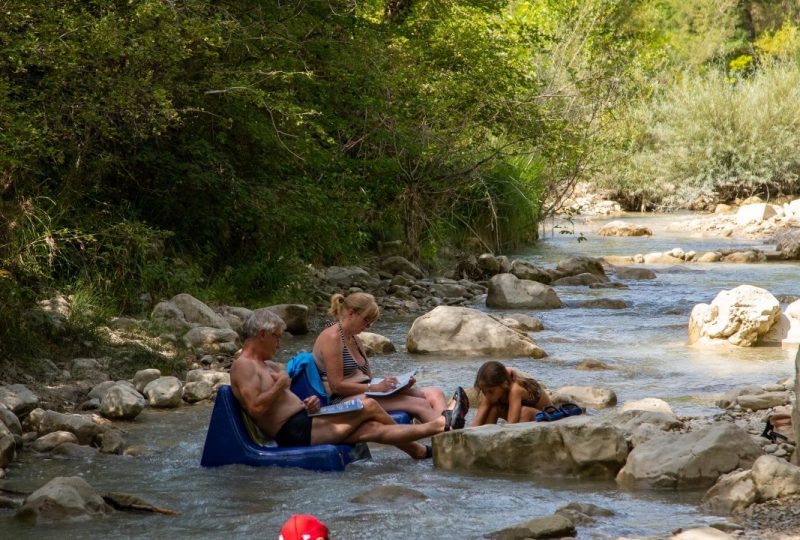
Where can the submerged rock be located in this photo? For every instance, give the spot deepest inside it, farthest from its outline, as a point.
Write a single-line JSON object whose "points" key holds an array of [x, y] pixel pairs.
{"points": [[63, 498]]}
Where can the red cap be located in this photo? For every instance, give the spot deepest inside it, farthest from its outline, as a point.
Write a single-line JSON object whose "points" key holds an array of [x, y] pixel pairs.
{"points": [[303, 527]]}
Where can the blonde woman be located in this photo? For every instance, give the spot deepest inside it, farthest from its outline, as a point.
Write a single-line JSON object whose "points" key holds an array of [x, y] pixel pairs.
{"points": [[345, 369]]}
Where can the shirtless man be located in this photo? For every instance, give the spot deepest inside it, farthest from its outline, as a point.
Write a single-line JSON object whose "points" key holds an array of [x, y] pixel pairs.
{"points": [[263, 391]]}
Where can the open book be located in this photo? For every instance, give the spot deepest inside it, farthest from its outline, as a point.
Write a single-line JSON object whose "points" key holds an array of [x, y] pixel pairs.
{"points": [[403, 381], [338, 408]]}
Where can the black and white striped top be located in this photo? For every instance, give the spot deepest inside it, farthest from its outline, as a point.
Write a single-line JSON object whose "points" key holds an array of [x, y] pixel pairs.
{"points": [[349, 364]]}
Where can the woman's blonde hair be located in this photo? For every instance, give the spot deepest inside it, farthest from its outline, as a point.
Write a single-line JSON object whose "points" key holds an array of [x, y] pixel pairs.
{"points": [[362, 303]]}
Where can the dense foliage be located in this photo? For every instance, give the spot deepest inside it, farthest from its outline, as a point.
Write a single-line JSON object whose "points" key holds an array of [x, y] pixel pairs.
{"points": [[717, 115], [149, 147]]}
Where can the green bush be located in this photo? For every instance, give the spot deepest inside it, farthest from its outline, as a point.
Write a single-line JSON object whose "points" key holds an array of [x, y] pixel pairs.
{"points": [[707, 135]]}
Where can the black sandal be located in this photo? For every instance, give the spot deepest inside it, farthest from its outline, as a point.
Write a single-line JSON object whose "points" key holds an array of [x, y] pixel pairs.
{"points": [[455, 418]]}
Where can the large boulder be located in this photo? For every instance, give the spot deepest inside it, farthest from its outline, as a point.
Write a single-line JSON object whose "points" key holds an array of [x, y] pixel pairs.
{"points": [[508, 291], [465, 331], [18, 399], [689, 461], [48, 442], [622, 228], [164, 392], [63, 498], [44, 422], [739, 316], [579, 446], [197, 313], [581, 264], [294, 315], [122, 402], [531, 272]]}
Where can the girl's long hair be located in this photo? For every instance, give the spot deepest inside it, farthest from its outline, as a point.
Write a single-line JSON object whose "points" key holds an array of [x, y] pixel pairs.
{"points": [[494, 373]]}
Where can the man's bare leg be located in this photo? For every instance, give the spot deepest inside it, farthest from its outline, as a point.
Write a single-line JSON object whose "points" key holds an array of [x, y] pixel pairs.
{"points": [[348, 428]]}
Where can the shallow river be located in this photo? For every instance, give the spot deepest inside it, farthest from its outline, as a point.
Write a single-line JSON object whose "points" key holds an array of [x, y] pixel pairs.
{"points": [[646, 341]]}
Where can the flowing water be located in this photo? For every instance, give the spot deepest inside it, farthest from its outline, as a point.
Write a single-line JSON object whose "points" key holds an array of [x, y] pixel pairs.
{"points": [[646, 342]]}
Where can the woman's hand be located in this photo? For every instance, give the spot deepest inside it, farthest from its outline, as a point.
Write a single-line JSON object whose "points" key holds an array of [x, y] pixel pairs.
{"points": [[311, 404], [389, 383]]}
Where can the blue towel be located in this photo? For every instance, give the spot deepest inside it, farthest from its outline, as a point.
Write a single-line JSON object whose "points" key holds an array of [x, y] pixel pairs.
{"points": [[303, 363]]}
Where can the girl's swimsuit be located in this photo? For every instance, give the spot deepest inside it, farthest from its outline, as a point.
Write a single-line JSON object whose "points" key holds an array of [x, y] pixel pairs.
{"points": [[349, 365], [536, 395]]}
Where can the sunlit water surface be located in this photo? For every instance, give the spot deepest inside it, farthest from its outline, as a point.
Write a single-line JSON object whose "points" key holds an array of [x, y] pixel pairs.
{"points": [[646, 342]]}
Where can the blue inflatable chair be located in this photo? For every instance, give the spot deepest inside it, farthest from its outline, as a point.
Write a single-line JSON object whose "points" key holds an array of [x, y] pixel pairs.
{"points": [[306, 381], [232, 438]]}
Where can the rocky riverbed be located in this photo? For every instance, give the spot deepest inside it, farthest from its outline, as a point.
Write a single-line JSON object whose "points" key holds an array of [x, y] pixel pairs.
{"points": [[524, 294]]}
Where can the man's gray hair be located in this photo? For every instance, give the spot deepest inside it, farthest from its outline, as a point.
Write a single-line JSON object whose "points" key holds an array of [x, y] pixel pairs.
{"points": [[262, 319]]}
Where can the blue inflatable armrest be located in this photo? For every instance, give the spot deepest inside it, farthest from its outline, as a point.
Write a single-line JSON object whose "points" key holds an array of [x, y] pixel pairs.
{"points": [[306, 382], [228, 442]]}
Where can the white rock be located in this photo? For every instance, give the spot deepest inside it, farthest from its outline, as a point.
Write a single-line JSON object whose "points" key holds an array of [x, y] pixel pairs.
{"points": [[754, 213], [458, 330], [376, 344], [648, 404], [739, 316], [586, 396], [144, 376], [122, 403], [164, 392]]}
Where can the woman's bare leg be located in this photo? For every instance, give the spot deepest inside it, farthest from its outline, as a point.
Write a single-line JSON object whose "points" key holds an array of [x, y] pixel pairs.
{"points": [[417, 407], [435, 397]]}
